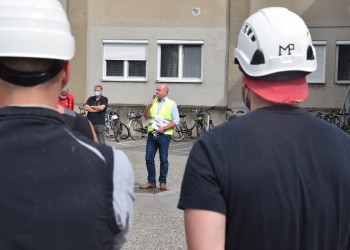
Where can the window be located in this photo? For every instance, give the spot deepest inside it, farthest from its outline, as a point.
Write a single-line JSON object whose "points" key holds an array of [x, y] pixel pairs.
{"points": [[319, 75], [125, 60], [343, 62], [180, 61]]}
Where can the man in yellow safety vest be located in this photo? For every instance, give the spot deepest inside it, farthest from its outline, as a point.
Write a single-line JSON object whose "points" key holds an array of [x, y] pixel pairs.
{"points": [[163, 116]]}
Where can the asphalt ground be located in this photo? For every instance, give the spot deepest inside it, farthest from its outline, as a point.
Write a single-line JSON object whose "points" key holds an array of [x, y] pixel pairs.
{"points": [[157, 224]]}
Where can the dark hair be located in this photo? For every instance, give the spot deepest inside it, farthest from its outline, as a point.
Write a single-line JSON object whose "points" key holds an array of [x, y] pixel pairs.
{"points": [[98, 86], [29, 72]]}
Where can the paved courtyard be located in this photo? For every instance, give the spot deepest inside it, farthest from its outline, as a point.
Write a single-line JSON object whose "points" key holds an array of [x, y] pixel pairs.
{"points": [[158, 224]]}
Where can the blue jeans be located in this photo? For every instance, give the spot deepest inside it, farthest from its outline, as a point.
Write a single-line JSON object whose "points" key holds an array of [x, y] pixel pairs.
{"points": [[162, 143]]}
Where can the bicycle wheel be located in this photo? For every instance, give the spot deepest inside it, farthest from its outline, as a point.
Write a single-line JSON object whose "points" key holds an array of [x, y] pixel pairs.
{"points": [[211, 125], [136, 129], [201, 128], [124, 131], [116, 132], [178, 134], [108, 131]]}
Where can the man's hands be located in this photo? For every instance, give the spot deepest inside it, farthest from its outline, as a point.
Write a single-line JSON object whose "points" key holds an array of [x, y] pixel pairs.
{"points": [[89, 108], [161, 129], [150, 103]]}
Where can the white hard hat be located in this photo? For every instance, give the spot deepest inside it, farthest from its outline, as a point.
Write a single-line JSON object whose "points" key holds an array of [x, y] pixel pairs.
{"points": [[35, 29], [275, 40]]}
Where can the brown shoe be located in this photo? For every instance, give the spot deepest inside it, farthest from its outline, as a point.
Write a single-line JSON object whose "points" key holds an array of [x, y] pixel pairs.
{"points": [[162, 187], [148, 186]]}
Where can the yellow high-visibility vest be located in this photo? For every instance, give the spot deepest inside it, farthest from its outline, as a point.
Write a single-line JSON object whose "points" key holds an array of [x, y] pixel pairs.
{"points": [[165, 113]]}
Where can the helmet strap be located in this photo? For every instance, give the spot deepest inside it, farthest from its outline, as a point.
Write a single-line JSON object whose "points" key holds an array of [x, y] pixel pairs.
{"points": [[28, 79]]}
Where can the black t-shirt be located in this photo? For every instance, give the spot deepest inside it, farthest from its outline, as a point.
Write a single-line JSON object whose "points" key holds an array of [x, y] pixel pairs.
{"points": [[78, 123], [281, 177], [56, 185], [97, 118]]}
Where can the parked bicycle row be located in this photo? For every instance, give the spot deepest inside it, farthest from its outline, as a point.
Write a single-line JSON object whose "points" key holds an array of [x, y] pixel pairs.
{"points": [[193, 123], [202, 121], [338, 119]]}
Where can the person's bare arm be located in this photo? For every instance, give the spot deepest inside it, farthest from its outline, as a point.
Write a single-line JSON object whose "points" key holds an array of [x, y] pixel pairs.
{"points": [[93, 132], [98, 108], [146, 112], [88, 108], [168, 126], [205, 230]]}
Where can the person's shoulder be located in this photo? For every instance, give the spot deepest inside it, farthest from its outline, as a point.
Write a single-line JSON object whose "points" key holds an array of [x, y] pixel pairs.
{"points": [[169, 99], [69, 112], [229, 131], [90, 98]]}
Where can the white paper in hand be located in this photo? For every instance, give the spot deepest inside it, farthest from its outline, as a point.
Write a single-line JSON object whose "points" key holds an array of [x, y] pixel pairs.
{"points": [[159, 122]]}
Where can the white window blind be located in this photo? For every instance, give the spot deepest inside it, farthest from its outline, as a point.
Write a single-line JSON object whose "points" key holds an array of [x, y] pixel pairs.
{"points": [[319, 75], [122, 51]]}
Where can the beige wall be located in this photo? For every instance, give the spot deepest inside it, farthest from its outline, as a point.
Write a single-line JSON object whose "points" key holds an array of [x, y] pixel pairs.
{"points": [[218, 26], [156, 13], [156, 20], [77, 14]]}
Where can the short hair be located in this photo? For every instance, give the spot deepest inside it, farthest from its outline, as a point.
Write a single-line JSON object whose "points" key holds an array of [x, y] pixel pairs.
{"points": [[98, 86]]}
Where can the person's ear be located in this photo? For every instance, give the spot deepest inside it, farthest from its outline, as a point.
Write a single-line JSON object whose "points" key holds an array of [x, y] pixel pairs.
{"points": [[66, 73]]}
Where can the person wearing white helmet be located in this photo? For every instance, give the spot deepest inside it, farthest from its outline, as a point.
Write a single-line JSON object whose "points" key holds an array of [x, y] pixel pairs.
{"points": [[59, 190], [277, 177]]}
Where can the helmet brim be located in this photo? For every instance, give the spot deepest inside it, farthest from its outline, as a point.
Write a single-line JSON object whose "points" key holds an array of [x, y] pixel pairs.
{"points": [[286, 92]]}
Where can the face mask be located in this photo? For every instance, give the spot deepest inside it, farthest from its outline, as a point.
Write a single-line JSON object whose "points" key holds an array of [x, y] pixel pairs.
{"points": [[246, 109], [97, 93], [63, 97]]}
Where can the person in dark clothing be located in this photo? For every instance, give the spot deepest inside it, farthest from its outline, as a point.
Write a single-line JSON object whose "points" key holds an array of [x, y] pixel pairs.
{"points": [[277, 177], [96, 106], [59, 189], [78, 123]]}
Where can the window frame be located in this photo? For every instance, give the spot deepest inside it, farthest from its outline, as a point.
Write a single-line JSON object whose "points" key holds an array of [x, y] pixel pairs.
{"points": [[125, 77], [180, 77], [340, 82], [323, 68]]}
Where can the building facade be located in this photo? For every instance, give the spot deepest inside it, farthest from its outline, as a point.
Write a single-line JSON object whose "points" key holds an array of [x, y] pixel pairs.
{"points": [[130, 46]]}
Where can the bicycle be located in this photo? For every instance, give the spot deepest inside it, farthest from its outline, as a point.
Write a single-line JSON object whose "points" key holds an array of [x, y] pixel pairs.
{"points": [[182, 130], [82, 111], [340, 120], [120, 130], [108, 123], [231, 114], [136, 128], [209, 123], [114, 127]]}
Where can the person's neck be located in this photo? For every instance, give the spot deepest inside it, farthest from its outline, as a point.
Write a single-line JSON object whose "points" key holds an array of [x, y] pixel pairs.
{"points": [[256, 102], [161, 99], [40, 95]]}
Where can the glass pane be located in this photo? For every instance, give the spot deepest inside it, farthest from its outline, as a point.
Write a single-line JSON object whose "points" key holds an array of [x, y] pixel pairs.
{"points": [[169, 61], [318, 76], [114, 68], [137, 68], [192, 60], [343, 62]]}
